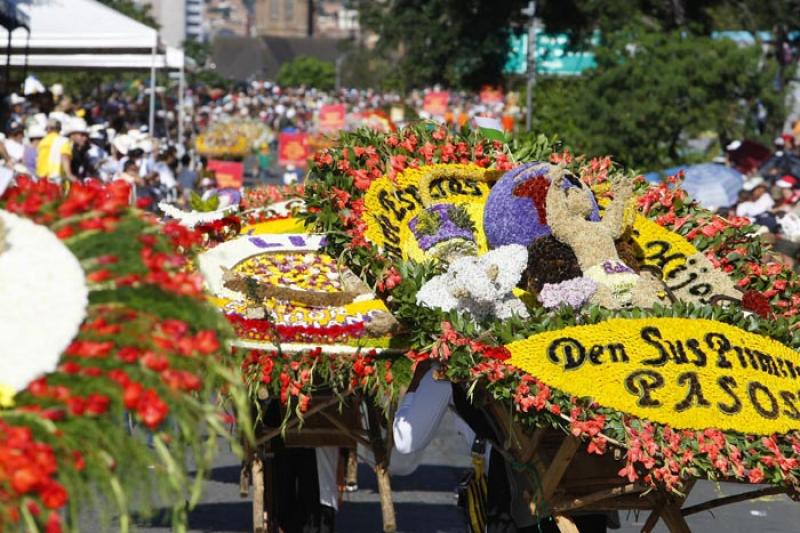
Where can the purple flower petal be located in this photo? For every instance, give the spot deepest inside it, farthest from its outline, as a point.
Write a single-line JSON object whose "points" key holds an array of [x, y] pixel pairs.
{"points": [[261, 243]]}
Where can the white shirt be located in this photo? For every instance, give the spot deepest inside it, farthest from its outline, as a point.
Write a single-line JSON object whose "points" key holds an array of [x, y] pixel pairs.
{"points": [[327, 463], [420, 414], [753, 209], [15, 150]]}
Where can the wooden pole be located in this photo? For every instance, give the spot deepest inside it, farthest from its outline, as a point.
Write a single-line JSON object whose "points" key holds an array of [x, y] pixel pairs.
{"points": [[565, 524], [381, 452], [598, 496], [351, 473], [295, 421], [672, 517], [662, 502], [257, 472], [552, 477], [727, 500]]}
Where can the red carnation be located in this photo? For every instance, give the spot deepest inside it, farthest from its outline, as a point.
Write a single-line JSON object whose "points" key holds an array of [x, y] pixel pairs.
{"points": [[151, 409], [757, 303], [23, 480], [131, 394], [53, 496], [96, 404]]}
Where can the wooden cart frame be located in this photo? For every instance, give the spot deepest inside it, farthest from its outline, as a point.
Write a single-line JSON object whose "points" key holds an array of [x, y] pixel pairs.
{"points": [[569, 479], [564, 477], [258, 456]]}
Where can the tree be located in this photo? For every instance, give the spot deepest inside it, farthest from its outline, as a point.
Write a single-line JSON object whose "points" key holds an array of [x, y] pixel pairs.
{"points": [[653, 92], [580, 17], [456, 43], [201, 54], [136, 11], [308, 72]]}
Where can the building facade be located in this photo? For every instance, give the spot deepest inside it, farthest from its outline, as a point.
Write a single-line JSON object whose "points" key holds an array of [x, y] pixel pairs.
{"points": [[227, 18], [195, 28], [284, 18]]}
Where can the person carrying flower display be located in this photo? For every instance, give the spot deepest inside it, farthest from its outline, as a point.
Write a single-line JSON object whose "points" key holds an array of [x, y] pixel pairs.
{"points": [[507, 505]]}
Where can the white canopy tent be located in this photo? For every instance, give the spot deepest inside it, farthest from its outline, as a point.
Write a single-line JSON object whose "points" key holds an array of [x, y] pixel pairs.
{"points": [[82, 25], [85, 34]]}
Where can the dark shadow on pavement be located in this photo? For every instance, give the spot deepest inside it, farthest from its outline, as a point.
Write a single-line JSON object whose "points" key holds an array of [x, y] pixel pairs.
{"points": [[437, 478], [411, 518]]}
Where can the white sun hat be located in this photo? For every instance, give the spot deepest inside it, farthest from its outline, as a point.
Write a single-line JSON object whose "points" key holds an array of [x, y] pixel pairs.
{"points": [[76, 125], [35, 131], [122, 143]]}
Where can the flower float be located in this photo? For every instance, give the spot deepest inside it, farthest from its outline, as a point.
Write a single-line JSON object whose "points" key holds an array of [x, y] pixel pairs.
{"points": [[278, 288], [688, 377], [136, 341], [231, 138]]}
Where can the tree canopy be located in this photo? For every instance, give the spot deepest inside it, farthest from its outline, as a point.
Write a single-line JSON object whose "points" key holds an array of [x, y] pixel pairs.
{"points": [[653, 92], [456, 43], [309, 72]]}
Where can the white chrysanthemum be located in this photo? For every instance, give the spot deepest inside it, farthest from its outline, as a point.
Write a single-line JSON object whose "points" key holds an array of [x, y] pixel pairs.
{"points": [[480, 287], [190, 219], [43, 299]]}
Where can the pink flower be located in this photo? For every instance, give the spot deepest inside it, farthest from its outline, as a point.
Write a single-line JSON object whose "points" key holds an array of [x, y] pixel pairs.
{"points": [[755, 475]]}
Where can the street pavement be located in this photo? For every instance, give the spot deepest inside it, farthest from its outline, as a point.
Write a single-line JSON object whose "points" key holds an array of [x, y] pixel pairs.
{"points": [[425, 502]]}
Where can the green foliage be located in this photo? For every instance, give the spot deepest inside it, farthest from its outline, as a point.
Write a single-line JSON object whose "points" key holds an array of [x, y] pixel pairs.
{"points": [[204, 206], [460, 217], [308, 72], [428, 223], [457, 43], [579, 17], [653, 92]]}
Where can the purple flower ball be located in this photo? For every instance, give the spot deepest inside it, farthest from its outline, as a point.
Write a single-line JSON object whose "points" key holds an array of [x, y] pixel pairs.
{"points": [[513, 219]]}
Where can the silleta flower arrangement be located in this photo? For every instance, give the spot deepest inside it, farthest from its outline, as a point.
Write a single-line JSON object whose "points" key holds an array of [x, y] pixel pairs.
{"points": [[149, 350], [647, 301]]}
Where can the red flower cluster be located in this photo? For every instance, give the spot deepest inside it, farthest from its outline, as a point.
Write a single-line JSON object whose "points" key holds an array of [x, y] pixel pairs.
{"points": [[27, 470], [121, 358], [346, 173], [264, 330], [219, 230], [290, 376], [266, 195]]}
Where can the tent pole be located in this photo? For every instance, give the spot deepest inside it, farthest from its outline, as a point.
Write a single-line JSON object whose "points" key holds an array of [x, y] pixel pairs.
{"points": [[181, 90], [8, 65], [27, 51], [152, 117]]}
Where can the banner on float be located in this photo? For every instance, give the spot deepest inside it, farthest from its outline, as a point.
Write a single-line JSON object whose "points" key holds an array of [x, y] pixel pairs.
{"points": [[436, 103], [688, 373], [332, 118], [293, 149], [491, 95], [229, 174]]}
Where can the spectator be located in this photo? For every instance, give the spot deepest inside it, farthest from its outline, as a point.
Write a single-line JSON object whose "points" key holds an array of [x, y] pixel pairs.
{"points": [[53, 132], [14, 144], [758, 207], [35, 135], [187, 177], [75, 160]]}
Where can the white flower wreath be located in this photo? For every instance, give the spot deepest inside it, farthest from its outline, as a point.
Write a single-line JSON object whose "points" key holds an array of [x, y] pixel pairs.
{"points": [[43, 299]]}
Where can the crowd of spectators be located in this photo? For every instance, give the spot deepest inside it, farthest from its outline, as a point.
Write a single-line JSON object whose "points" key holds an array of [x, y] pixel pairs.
{"points": [[106, 136], [770, 193]]}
